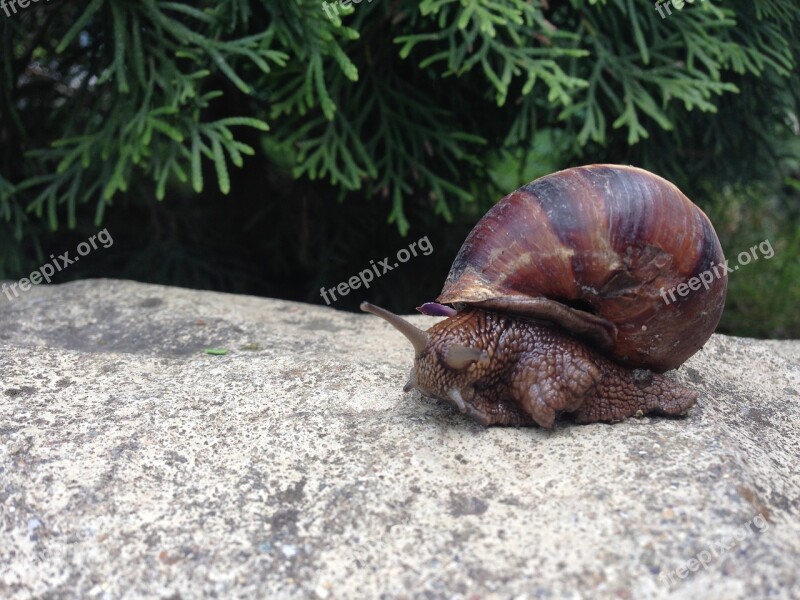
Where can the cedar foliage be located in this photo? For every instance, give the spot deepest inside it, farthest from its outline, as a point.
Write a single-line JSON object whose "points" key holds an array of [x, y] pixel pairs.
{"points": [[417, 107]]}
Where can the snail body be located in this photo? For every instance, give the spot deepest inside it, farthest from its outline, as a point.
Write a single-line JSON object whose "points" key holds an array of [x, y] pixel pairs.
{"points": [[557, 302]]}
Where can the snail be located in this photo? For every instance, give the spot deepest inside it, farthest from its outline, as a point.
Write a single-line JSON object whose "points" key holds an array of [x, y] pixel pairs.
{"points": [[556, 303]]}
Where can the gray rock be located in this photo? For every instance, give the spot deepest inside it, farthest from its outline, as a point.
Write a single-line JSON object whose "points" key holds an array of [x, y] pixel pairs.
{"points": [[134, 463]]}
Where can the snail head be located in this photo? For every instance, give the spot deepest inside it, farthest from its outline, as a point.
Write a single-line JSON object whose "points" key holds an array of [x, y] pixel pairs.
{"points": [[444, 366]]}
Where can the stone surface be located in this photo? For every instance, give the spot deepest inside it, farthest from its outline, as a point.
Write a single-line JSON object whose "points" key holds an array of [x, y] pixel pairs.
{"points": [[134, 463]]}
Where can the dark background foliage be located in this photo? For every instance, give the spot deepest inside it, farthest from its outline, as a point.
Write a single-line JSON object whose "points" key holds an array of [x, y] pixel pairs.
{"points": [[259, 146]]}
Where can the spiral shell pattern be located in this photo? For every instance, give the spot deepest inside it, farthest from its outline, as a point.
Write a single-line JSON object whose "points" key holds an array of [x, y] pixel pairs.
{"points": [[607, 242]]}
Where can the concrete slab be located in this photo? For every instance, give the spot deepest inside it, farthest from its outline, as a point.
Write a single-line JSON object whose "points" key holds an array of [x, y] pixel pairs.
{"points": [[133, 463]]}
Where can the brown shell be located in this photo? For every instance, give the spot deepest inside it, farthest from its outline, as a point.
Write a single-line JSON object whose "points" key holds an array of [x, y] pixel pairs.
{"points": [[597, 249]]}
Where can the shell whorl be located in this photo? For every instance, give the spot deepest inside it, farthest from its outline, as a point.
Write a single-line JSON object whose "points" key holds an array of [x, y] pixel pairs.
{"points": [[604, 241]]}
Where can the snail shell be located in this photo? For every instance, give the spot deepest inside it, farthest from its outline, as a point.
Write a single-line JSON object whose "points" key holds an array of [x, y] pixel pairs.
{"points": [[596, 249]]}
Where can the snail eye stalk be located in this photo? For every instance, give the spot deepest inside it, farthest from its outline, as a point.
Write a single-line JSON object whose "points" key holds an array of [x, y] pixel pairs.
{"points": [[417, 337]]}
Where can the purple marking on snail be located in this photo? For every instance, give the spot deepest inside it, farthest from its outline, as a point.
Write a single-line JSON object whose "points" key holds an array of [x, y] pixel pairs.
{"points": [[433, 309], [556, 303]]}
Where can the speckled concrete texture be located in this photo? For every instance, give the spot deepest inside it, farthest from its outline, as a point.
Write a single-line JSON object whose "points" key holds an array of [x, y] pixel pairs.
{"points": [[134, 464]]}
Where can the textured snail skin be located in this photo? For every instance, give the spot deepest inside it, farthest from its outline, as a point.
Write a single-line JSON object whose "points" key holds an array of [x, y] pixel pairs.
{"points": [[531, 371]]}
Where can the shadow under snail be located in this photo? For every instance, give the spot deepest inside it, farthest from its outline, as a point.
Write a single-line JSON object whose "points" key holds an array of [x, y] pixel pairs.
{"points": [[556, 302]]}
